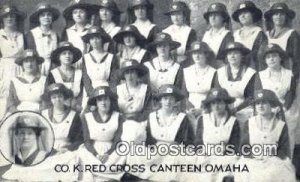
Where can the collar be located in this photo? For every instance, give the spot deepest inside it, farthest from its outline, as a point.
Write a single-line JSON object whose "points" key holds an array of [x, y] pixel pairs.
{"points": [[96, 60], [23, 80], [4, 34], [242, 70], [98, 118], [224, 119], [67, 112], [270, 124], [41, 34], [109, 28], [32, 150], [86, 27], [221, 31]]}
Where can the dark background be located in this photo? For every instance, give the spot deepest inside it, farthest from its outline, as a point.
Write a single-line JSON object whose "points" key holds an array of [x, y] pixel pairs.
{"points": [[198, 7]]}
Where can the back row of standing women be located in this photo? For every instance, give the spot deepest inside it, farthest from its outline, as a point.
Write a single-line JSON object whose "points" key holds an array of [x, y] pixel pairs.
{"points": [[139, 58]]}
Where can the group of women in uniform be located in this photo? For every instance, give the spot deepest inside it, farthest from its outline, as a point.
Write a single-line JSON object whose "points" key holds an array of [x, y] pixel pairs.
{"points": [[100, 83]]}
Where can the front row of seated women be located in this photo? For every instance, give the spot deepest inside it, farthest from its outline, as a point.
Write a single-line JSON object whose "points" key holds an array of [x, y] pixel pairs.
{"points": [[103, 126]]}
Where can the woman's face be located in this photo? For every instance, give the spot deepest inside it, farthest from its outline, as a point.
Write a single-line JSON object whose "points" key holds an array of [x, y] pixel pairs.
{"points": [[177, 18], [66, 57], [131, 76], [105, 14], [234, 57], [218, 107], [273, 60], [30, 65], [79, 15], [103, 103], [10, 20], [279, 18], [163, 49], [96, 42], [45, 18], [246, 18], [216, 20], [263, 108], [26, 138], [199, 58], [140, 12], [57, 100], [167, 101], [129, 40]]}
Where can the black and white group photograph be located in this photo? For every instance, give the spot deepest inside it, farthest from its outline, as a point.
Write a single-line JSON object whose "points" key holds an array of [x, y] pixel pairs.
{"points": [[149, 90]]}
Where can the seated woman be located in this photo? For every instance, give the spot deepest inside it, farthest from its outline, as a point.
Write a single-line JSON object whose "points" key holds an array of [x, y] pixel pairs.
{"points": [[65, 73], [131, 43], [65, 122], [42, 36], [283, 83], [165, 126], [180, 30], [237, 78], [26, 90], [102, 128], [197, 89], [140, 14], [265, 128], [163, 69]]}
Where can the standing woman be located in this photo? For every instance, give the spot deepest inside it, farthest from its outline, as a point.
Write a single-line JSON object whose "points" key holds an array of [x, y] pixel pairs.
{"points": [[265, 128], [99, 66], [237, 77], [42, 37], [65, 73], [198, 78], [180, 30], [131, 42], [163, 69], [283, 83], [218, 35], [250, 34], [65, 122], [109, 14], [140, 14], [78, 17], [12, 44], [278, 23], [101, 129]]}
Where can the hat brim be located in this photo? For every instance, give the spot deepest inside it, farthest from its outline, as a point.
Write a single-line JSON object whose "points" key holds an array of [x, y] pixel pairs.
{"points": [[20, 15], [282, 54], [173, 11], [227, 100], [34, 18], [120, 36], [178, 96], [115, 10], [256, 13], [224, 14], [55, 54], [148, 6], [173, 44], [244, 51], [273, 103], [290, 13], [105, 38], [140, 68], [67, 94], [90, 9], [39, 60], [92, 100]]}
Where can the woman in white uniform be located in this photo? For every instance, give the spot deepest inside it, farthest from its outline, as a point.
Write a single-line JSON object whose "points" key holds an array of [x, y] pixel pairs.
{"points": [[180, 30], [12, 44], [65, 73], [42, 37], [78, 17], [26, 90], [198, 79], [131, 43], [279, 31], [109, 14], [102, 129], [265, 128], [163, 69], [282, 82], [140, 14], [250, 34], [218, 35], [99, 66], [237, 78], [65, 121]]}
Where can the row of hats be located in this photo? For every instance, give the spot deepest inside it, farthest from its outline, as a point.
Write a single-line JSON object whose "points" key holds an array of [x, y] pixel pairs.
{"points": [[175, 7]]}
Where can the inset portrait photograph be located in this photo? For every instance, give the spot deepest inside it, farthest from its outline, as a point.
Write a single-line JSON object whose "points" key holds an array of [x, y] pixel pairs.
{"points": [[26, 138]]}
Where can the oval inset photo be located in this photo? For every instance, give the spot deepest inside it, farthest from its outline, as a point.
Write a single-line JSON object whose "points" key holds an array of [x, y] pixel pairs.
{"points": [[26, 138]]}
